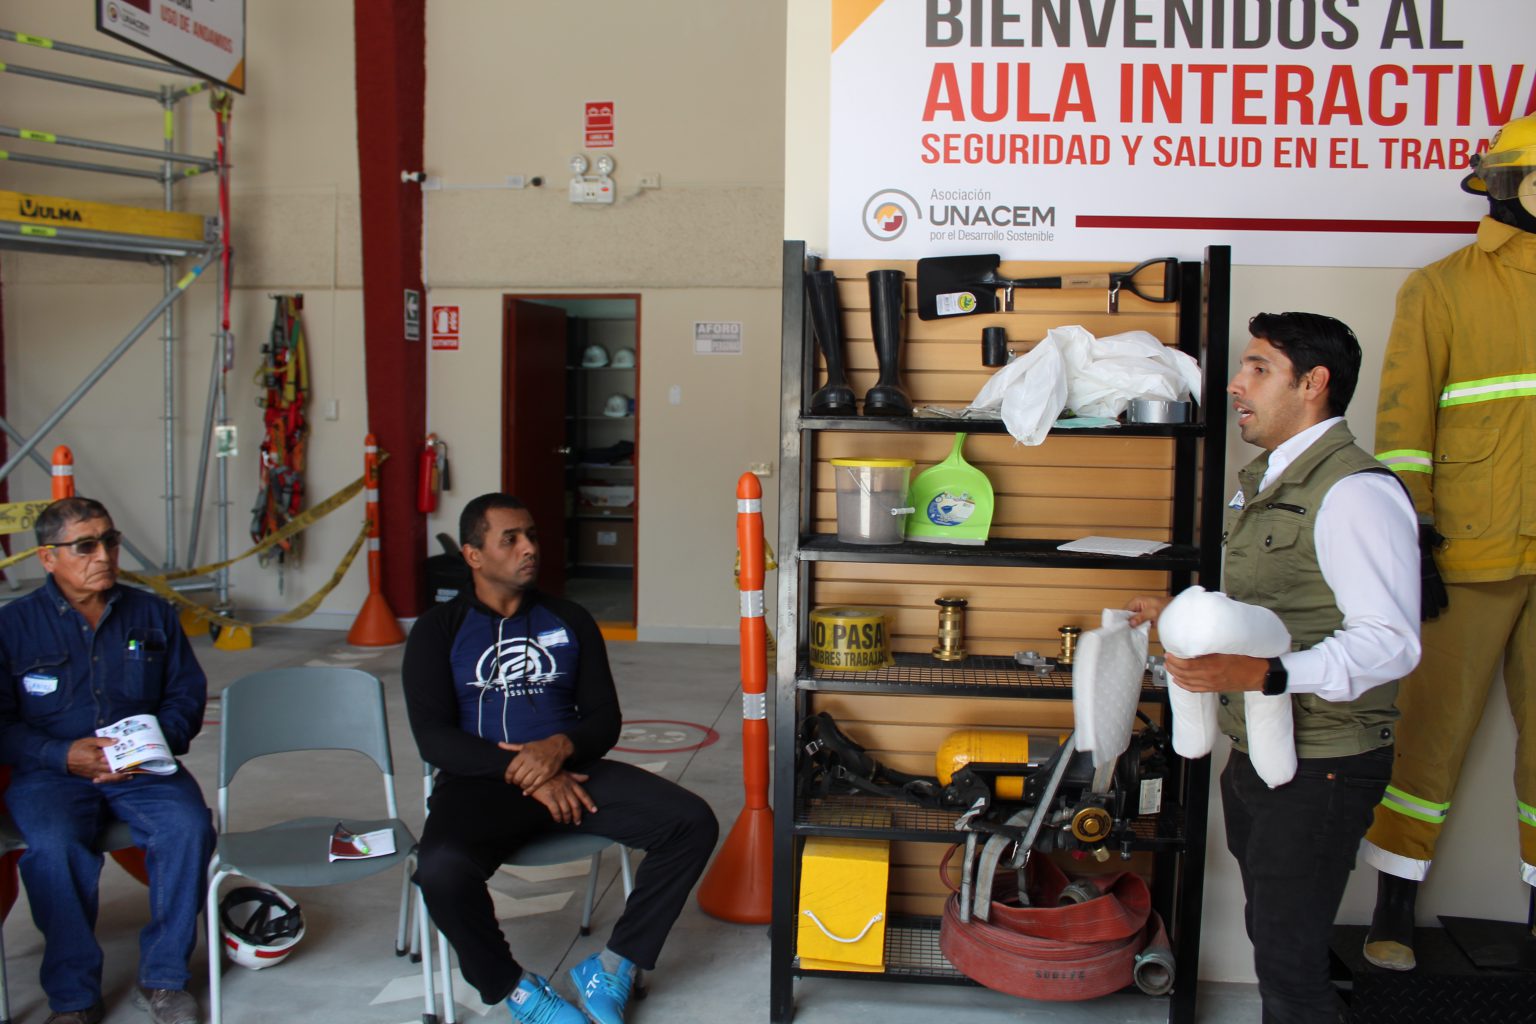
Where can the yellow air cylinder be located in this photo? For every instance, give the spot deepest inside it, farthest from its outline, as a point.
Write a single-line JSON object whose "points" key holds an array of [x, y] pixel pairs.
{"points": [[994, 746]]}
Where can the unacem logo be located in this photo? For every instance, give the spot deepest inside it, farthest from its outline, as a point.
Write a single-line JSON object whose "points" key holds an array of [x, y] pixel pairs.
{"points": [[41, 211], [887, 214]]}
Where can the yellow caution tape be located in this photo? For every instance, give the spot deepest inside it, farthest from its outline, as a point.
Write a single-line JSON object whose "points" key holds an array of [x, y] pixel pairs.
{"points": [[299, 522], [160, 583], [6, 563], [159, 586], [20, 515]]}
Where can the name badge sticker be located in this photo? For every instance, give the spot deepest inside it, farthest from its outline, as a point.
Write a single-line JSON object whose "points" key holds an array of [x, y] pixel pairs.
{"points": [[553, 638], [1237, 501], [39, 685]]}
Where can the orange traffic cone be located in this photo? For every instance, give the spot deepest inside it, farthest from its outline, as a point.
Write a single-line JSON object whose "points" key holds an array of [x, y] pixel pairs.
{"points": [[739, 884], [376, 625]]}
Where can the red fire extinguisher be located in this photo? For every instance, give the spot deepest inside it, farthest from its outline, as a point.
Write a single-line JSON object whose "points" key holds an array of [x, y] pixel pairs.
{"points": [[432, 473]]}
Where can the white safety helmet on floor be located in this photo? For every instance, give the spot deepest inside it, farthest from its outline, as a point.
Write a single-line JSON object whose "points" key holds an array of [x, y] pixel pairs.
{"points": [[616, 406], [261, 926], [624, 359], [594, 357]]}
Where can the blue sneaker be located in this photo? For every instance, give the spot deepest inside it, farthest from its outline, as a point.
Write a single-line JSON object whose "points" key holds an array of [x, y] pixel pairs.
{"points": [[603, 995], [534, 1002]]}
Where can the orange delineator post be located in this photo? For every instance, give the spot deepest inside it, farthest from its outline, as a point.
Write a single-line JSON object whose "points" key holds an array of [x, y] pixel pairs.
{"points": [[376, 625], [739, 885], [63, 472]]}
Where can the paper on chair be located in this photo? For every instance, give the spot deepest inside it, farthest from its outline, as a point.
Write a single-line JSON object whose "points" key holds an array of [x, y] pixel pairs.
{"points": [[1128, 546], [348, 845]]}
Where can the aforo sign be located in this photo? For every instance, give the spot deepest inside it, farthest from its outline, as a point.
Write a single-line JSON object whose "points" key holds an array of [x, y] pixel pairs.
{"points": [[598, 125], [445, 327]]}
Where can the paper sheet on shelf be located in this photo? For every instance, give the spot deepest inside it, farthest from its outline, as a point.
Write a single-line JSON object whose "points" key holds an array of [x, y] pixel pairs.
{"points": [[1127, 546]]}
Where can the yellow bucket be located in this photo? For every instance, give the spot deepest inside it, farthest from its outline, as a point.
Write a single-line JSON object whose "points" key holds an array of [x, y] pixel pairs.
{"points": [[849, 640]]}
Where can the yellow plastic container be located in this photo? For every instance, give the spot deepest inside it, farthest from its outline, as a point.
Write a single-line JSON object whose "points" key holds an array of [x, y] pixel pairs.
{"points": [[872, 500], [841, 923]]}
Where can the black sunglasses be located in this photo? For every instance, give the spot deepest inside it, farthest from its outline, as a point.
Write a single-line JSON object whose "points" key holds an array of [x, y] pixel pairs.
{"points": [[86, 546]]}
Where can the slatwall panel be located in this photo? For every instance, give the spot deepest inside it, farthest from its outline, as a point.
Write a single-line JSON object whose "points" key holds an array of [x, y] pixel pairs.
{"points": [[1068, 487]]}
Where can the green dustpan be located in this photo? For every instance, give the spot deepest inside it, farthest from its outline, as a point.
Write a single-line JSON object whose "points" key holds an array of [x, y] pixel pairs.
{"points": [[953, 501]]}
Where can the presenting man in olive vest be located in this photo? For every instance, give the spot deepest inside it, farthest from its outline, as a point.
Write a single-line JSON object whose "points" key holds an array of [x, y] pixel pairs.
{"points": [[1321, 535]]}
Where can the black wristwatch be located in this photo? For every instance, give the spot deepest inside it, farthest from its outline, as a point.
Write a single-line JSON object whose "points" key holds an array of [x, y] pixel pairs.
{"points": [[1276, 678]]}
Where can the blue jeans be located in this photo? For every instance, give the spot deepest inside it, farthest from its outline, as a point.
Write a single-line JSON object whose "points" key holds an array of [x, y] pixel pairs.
{"points": [[1295, 846], [60, 815]]}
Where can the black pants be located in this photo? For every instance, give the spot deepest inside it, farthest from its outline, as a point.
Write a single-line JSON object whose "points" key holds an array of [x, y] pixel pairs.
{"points": [[474, 824], [1295, 846]]}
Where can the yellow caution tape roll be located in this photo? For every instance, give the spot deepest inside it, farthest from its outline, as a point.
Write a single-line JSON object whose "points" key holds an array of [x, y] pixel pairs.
{"points": [[849, 640]]}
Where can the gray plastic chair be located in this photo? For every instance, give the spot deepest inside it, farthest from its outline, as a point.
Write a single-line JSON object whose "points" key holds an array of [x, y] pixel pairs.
{"points": [[115, 836], [298, 709], [539, 852]]}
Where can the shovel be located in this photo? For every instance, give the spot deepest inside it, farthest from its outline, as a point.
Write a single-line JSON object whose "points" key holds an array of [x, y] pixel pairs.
{"points": [[967, 285]]}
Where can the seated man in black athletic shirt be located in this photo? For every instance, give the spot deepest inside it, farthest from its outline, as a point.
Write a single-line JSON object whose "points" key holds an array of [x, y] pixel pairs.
{"points": [[510, 696]]}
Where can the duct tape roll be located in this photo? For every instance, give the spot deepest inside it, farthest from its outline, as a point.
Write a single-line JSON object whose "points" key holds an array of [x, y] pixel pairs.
{"points": [[848, 640]]}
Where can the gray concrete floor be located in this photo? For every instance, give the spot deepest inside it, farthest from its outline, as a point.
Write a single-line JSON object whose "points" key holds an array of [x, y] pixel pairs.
{"points": [[345, 970]]}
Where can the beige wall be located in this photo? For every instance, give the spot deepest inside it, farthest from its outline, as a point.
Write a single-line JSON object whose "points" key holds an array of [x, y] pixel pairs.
{"points": [[698, 91], [1477, 874]]}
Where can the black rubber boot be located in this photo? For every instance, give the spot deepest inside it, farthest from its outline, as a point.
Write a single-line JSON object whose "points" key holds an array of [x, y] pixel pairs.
{"points": [[835, 398], [1389, 943], [887, 306]]}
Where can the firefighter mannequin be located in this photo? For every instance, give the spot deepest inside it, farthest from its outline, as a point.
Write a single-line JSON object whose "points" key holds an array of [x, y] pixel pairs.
{"points": [[1457, 422]]}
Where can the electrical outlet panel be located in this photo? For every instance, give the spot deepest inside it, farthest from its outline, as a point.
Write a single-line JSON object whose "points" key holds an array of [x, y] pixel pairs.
{"points": [[650, 181], [590, 188]]}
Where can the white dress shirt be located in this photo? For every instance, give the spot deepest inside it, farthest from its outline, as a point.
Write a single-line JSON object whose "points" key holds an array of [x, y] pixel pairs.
{"points": [[1367, 537]]}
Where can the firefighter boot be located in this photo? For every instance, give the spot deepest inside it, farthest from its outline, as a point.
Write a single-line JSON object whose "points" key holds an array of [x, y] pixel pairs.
{"points": [[1389, 943], [887, 301], [835, 398]]}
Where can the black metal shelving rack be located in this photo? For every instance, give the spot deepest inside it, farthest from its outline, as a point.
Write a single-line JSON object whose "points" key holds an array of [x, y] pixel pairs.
{"points": [[1176, 837]]}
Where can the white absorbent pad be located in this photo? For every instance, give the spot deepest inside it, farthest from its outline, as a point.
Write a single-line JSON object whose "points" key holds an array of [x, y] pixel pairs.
{"points": [[1200, 622], [1106, 684]]}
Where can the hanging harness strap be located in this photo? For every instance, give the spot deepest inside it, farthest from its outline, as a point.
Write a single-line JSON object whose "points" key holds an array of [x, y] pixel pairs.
{"points": [[284, 380]]}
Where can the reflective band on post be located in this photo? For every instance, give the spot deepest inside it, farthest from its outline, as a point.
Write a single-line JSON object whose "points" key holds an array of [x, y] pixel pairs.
{"points": [[1489, 389], [65, 470], [1414, 807], [373, 543], [1526, 813], [38, 231], [751, 604], [40, 41], [371, 495], [32, 136], [1407, 460], [748, 505], [754, 706]]}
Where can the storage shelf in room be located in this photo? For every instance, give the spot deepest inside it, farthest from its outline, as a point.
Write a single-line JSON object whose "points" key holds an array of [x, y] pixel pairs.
{"points": [[1003, 551]]}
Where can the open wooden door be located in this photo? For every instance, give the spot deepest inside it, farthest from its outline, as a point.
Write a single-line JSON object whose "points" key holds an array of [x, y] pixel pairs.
{"points": [[533, 449]]}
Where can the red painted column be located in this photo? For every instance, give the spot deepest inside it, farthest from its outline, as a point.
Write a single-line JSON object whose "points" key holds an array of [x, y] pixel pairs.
{"points": [[390, 43]]}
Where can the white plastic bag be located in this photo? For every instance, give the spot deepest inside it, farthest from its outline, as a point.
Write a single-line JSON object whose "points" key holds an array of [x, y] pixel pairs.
{"points": [[1200, 622], [1104, 375], [1030, 391], [1106, 684]]}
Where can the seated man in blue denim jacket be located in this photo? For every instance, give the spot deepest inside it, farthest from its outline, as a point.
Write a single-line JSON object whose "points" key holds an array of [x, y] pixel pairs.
{"points": [[77, 654]]}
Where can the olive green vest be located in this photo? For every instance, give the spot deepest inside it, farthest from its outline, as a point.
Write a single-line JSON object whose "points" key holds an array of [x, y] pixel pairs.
{"points": [[1271, 560]]}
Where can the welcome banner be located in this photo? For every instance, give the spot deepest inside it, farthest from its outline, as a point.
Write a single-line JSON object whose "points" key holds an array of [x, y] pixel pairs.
{"points": [[1301, 132]]}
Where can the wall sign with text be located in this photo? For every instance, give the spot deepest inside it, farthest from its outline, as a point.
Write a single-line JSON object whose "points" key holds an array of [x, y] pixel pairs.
{"points": [[1304, 132]]}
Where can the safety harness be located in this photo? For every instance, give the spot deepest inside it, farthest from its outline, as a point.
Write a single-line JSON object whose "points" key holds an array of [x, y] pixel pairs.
{"points": [[284, 379]]}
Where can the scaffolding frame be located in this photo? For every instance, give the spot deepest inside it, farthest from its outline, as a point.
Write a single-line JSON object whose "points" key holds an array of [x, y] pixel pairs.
{"points": [[173, 168]]}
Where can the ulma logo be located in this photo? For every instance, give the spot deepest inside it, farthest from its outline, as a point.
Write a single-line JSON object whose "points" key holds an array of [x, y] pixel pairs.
{"points": [[41, 211], [887, 214]]}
